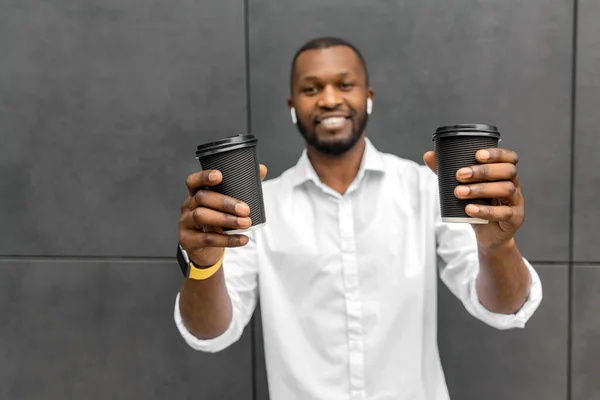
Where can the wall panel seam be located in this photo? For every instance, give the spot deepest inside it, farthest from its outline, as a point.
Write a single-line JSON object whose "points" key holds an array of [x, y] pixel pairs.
{"points": [[570, 302]]}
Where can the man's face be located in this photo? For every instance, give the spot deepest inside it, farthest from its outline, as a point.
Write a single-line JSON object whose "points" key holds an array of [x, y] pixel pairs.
{"points": [[329, 92]]}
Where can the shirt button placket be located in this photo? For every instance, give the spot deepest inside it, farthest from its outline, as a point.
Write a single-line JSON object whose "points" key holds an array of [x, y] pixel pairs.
{"points": [[353, 300]]}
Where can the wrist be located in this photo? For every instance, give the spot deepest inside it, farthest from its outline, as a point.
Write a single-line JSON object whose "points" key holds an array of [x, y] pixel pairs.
{"points": [[207, 260], [497, 247], [193, 271], [499, 253]]}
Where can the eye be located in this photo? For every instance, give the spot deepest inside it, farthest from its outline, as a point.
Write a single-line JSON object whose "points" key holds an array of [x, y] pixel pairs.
{"points": [[309, 90], [346, 86]]}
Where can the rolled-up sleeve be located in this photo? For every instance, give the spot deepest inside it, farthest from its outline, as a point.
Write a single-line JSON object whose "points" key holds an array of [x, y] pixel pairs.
{"points": [[459, 267], [240, 270], [507, 321]]}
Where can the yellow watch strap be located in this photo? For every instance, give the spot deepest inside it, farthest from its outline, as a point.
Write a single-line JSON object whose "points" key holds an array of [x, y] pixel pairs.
{"points": [[205, 273]]}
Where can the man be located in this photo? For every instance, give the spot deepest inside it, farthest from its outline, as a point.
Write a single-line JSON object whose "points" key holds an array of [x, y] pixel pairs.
{"points": [[346, 266]]}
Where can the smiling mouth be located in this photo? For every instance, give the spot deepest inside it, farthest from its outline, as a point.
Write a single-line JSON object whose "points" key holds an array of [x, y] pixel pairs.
{"points": [[333, 122]]}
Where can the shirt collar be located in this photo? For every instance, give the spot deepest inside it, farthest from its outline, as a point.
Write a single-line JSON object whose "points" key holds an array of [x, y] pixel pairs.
{"points": [[372, 160]]}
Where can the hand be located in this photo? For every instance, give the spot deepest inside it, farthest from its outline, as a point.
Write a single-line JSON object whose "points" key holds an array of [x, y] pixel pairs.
{"points": [[203, 215], [495, 178]]}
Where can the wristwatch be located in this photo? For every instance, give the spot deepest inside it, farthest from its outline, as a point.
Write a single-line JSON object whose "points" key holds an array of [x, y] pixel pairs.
{"points": [[191, 270]]}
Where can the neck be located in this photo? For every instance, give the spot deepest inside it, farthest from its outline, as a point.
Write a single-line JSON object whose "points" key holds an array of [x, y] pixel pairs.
{"points": [[337, 172]]}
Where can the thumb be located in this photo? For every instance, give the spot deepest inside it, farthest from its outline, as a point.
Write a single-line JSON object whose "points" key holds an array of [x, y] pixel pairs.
{"points": [[429, 158], [263, 172]]}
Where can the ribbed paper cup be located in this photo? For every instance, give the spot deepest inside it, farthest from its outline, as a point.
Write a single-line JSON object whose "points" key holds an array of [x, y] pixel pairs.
{"points": [[236, 157], [455, 148]]}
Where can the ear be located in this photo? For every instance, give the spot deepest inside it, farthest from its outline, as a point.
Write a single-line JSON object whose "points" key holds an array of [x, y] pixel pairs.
{"points": [[371, 93]]}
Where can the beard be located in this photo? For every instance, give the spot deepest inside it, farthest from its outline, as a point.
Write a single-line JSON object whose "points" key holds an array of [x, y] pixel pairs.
{"points": [[334, 147]]}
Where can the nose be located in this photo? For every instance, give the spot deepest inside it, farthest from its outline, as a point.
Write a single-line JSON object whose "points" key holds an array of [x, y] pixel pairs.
{"points": [[330, 98]]}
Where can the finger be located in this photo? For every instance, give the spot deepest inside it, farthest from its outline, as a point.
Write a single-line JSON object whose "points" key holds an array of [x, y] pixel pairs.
{"points": [[197, 240], [430, 160], [205, 216], [220, 202], [263, 172], [492, 190], [491, 213], [201, 179], [497, 155], [187, 205], [487, 172]]}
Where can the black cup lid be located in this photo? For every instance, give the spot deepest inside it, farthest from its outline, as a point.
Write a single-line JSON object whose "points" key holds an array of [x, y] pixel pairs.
{"points": [[467, 130], [229, 143]]}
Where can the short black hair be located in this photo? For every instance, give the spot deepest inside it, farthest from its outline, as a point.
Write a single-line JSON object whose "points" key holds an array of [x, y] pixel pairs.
{"points": [[326, 42]]}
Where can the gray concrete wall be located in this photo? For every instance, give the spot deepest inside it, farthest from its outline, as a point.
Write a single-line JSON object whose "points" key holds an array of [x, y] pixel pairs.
{"points": [[103, 102]]}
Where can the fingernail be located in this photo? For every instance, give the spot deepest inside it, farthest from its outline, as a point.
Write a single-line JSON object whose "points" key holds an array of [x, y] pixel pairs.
{"points": [[242, 208], [465, 173], [484, 155], [213, 176], [244, 221], [463, 190], [473, 209]]}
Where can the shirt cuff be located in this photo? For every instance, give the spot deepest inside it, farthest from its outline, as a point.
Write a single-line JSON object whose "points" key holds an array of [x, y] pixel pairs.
{"points": [[509, 321], [227, 338]]}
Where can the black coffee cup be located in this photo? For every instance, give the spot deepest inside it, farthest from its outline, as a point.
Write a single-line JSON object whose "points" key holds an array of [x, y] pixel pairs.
{"points": [[455, 148], [237, 159]]}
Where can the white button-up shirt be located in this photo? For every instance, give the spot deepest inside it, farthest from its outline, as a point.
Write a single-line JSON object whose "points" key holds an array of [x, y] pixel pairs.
{"points": [[348, 284]]}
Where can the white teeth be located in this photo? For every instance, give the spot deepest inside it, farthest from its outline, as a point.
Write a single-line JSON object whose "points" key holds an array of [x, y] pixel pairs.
{"points": [[333, 121]]}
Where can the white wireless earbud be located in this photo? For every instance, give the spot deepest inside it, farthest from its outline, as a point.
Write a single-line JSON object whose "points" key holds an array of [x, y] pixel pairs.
{"points": [[369, 105], [293, 113]]}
